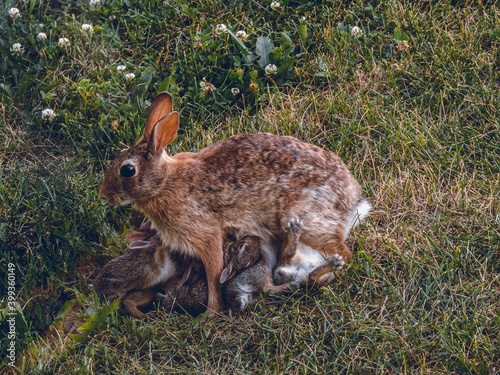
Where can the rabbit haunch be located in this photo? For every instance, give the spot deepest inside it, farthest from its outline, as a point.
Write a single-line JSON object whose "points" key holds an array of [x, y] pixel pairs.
{"points": [[251, 184]]}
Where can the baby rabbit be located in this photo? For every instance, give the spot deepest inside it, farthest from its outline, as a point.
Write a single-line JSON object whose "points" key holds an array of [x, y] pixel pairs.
{"points": [[148, 263], [252, 260], [150, 267], [252, 183], [175, 294]]}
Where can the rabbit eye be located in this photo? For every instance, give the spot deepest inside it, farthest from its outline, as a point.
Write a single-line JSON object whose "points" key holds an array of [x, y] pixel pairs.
{"points": [[127, 170]]}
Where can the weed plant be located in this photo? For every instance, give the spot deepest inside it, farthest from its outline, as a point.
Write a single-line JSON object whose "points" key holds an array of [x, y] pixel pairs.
{"points": [[407, 93]]}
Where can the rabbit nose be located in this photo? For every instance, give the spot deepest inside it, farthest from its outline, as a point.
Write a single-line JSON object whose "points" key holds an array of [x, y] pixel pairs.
{"points": [[102, 193]]}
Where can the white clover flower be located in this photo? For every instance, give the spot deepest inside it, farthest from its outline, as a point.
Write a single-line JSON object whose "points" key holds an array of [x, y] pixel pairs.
{"points": [[241, 35], [41, 36], [221, 29], [48, 115], [129, 76], [17, 49], [206, 86], [302, 19], [356, 32], [275, 5], [87, 29], [95, 3], [13, 13], [235, 91], [64, 42], [270, 69], [121, 68]]}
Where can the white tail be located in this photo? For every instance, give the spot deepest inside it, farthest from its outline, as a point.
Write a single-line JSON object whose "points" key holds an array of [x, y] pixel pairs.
{"points": [[358, 214]]}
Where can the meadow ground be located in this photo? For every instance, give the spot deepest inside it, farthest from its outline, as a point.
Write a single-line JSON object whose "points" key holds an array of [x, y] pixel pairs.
{"points": [[407, 93]]}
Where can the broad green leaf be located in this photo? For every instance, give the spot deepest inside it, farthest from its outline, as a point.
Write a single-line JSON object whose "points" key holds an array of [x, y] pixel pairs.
{"points": [[6, 88], [94, 321], [66, 308], [323, 65], [200, 319], [263, 47], [285, 65], [128, 108], [165, 85], [288, 51], [398, 35], [287, 39]]}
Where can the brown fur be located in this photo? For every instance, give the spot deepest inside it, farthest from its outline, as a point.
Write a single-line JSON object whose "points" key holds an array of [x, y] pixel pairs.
{"points": [[253, 183]]}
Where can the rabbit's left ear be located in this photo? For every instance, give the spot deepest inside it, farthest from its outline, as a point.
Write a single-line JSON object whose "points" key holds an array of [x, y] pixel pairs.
{"points": [[164, 132], [227, 273], [161, 107]]}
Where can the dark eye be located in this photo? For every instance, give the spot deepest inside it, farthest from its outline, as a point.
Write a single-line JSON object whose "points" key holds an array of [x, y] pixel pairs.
{"points": [[127, 170]]}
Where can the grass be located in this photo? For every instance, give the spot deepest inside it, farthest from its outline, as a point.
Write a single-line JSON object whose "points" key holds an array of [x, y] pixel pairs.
{"points": [[418, 124]]}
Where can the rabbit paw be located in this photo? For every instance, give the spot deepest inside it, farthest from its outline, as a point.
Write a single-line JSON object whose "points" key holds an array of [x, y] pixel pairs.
{"points": [[294, 226], [336, 262], [283, 275], [326, 279], [325, 274]]}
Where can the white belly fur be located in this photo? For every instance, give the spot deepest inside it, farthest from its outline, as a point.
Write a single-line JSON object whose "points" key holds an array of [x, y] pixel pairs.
{"points": [[305, 260]]}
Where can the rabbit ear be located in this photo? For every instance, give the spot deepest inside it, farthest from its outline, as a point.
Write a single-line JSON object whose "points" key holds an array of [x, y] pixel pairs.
{"points": [[161, 107], [164, 132], [136, 235], [227, 273], [242, 247], [185, 276]]}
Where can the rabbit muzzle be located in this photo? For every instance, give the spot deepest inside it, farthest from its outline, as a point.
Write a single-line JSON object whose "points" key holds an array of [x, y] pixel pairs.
{"points": [[111, 196]]}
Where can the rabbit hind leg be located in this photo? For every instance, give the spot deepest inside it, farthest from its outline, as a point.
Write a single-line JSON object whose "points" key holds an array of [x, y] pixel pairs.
{"points": [[332, 247], [136, 299], [324, 274], [329, 244]]}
